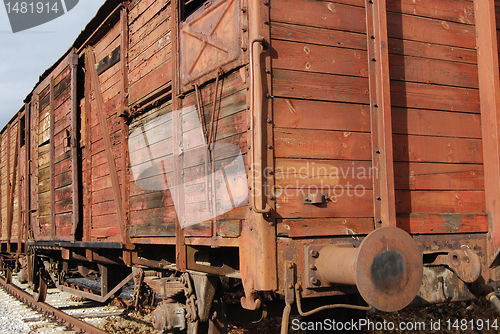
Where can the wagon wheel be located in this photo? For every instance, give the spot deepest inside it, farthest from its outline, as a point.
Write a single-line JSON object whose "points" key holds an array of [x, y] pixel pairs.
{"points": [[39, 287]]}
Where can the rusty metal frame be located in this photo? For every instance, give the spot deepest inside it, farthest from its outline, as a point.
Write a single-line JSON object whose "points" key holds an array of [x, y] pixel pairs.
{"points": [[123, 122], [27, 171], [52, 164], [88, 157], [75, 172], [380, 110], [20, 222], [180, 242], [89, 53], [489, 95], [258, 258], [9, 207]]}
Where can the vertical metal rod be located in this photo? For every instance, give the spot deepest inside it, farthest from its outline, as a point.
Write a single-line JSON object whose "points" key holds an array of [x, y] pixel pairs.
{"points": [[52, 164], [27, 173], [380, 109], [180, 244], [489, 96], [20, 222], [9, 206], [123, 122], [88, 155], [75, 167]]}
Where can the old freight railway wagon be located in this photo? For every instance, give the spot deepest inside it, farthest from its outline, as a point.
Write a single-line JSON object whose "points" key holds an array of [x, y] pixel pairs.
{"points": [[293, 148]]}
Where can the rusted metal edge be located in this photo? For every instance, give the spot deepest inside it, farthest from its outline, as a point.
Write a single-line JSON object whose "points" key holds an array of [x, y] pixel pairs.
{"points": [[123, 113], [489, 96], [52, 164], [20, 222], [9, 207], [74, 148], [380, 110], [89, 53], [180, 243], [27, 172], [256, 94], [66, 319]]}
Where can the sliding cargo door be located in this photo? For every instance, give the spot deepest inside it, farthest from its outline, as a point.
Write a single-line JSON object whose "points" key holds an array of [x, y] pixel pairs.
{"points": [[52, 169]]}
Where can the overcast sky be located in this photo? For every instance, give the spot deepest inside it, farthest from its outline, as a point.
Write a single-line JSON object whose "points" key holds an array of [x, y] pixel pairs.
{"points": [[25, 55]]}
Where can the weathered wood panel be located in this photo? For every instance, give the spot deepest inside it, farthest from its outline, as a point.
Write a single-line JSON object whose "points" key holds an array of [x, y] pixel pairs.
{"points": [[297, 143], [321, 227], [304, 114], [319, 14], [444, 149], [316, 86], [341, 203], [435, 123], [444, 223], [318, 58], [433, 176], [440, 202], [460, 11]]}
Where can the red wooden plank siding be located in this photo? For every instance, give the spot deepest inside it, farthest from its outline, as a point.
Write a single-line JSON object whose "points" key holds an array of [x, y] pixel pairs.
{"points": [[153, 212], [487, 20], [321, 117], [438, 151], [149, 48]]}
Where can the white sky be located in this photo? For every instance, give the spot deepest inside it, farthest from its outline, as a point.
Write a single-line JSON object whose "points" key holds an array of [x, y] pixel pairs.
{"points": [[25, 55]]}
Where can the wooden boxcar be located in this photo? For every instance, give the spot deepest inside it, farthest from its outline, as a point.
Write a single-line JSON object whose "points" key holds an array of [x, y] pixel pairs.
{"points": [[299, 148]]}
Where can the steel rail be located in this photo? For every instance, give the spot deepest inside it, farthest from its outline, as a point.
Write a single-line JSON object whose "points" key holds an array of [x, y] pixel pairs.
{"points": [[65, 319]]}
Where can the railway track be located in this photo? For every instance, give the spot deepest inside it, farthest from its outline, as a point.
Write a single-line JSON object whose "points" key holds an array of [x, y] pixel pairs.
{"points": [[49, 311], [65, 313]]}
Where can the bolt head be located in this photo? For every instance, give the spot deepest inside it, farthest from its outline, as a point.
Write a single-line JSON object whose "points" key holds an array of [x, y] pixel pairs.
{"points": [[314, 253]]}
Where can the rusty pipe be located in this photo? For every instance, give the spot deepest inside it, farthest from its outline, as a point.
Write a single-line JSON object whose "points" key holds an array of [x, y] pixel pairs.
{"points": [[343, 272], [492, 297], [256, 109], [387, 268]]}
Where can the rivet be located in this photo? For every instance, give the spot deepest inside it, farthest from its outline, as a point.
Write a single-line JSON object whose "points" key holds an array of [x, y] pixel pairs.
{"points": [[314, 281], [379, 198], [290, 265], [377, 151], [379, 221], [375, 105], [312, 267], [372, 36], [314, 253], [270, 147], [374, 59], [268, 70], [266, 22], [269, 121]]}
